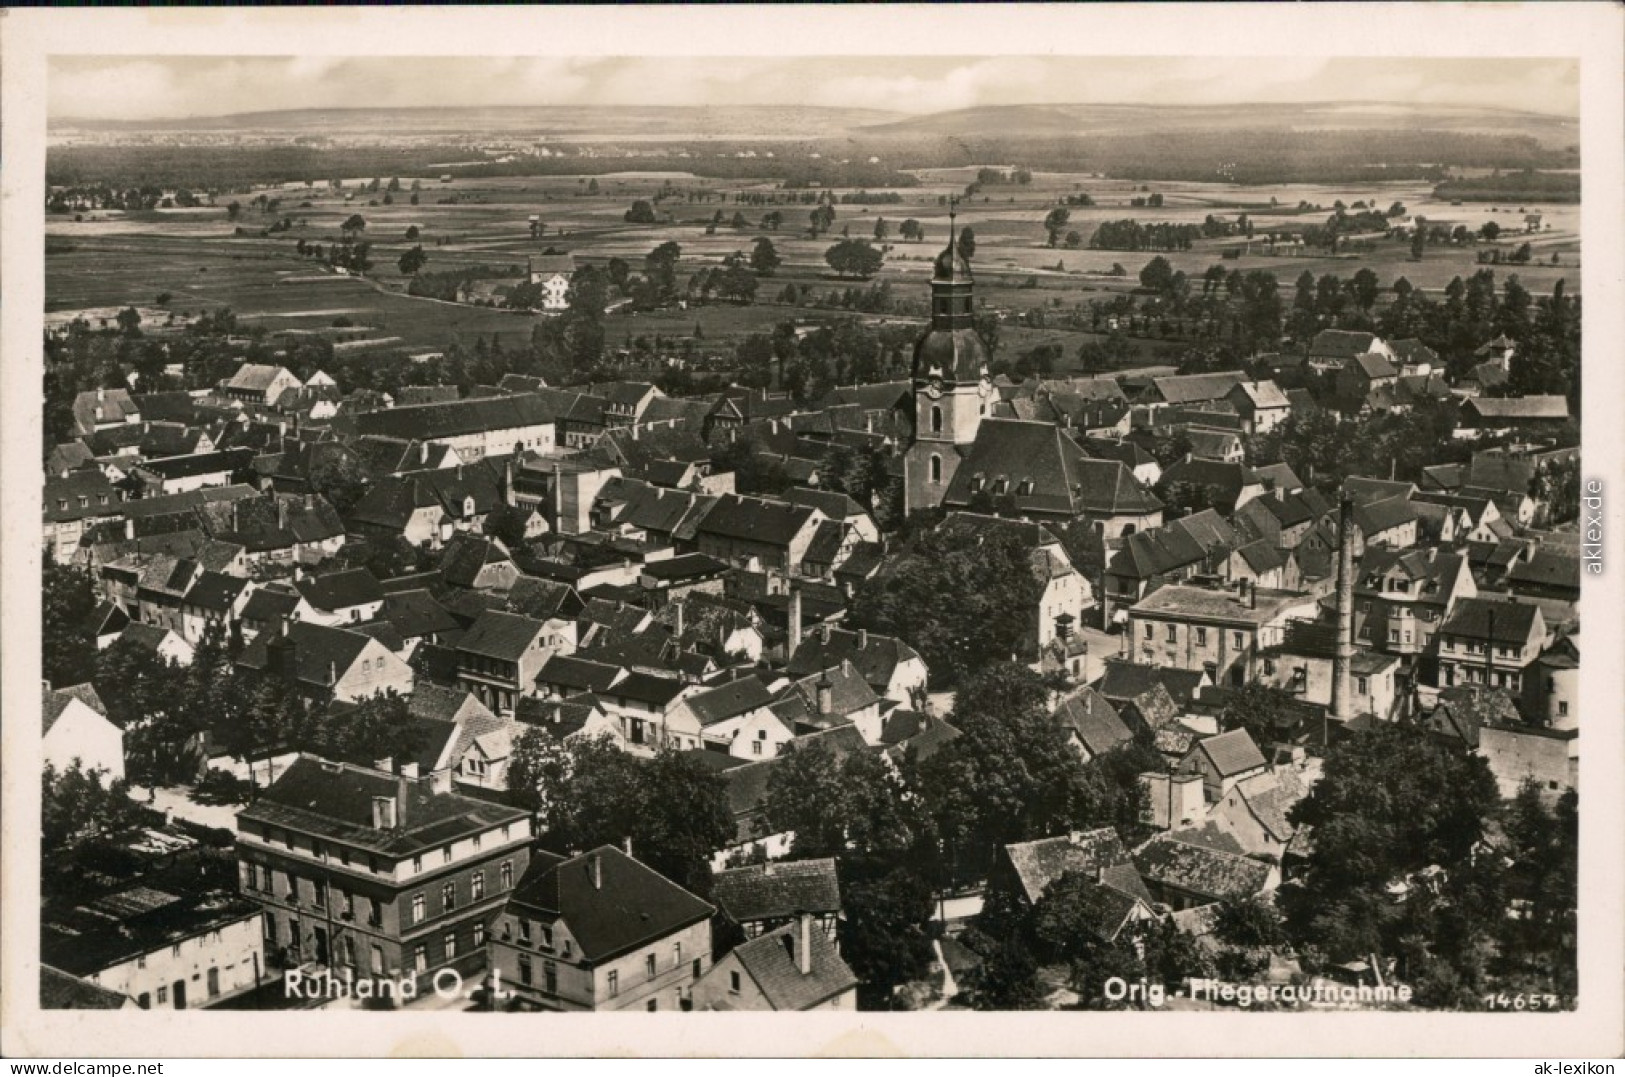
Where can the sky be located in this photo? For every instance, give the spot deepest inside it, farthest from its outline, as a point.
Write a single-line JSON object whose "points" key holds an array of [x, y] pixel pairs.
{"points": [[172, 87]]}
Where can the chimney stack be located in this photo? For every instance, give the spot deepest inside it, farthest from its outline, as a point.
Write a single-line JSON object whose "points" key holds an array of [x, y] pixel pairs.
{"points": [[400, 799], [507, 484], [677, 630], [1343, 662], [1489, 651], [383, 813], [804, 949], [409, 770], [863, 638], [826, 694], [823, 632], [595, 866], [423, 453], [795, 623]]}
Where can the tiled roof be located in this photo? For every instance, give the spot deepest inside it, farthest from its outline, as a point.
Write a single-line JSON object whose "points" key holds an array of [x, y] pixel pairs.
{"points": [[1341, 344], [1520, 407], [1195, 388], [1514, 622], [415, 613], [730, 700], [1125, 681], [466, 416], [340, 590], [875, 656], [609, 902], [777, 889], [771, 961], [335, 801], [506, 636], [1039, 863], [60, 991], [1231, 753], [1057, 475], [318, 651], [1174, 860], [756, 519], [1087, 713]]}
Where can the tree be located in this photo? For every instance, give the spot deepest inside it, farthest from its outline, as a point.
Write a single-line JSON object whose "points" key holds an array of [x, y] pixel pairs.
{"points": [[234, 210], [660, 266], [412, 261], [854, 258], [374, 728], [353, 225], [967, 243], [592, 186], [881, 230], [764, 257], [1263, 710], [1377, 816], [640, 213], [67, 600], [1055, 223], [412, 232], [959, 598], [1157, 275], [1366, 289], [884, 938], [80, 806], [1489, 231], [910, 230], [1419, 241]]}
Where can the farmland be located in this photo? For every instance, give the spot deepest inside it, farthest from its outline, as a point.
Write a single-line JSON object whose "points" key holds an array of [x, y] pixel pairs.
{"points": [[105, 259]]}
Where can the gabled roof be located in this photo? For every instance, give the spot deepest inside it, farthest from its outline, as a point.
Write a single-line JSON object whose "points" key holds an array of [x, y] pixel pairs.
{"points": [[875, 656], [730, 700], [339, 590], [1362, 488], [1197, 388], [777, 889], [506, 636], [60, 991], [757, 519], [1126, 681], [56, 702], [1547, 568], [317, 649], [414, 613], [1375, 517], [1373, 366], [1231, 753], [1039, 863], [1173, 859], [771, 961], [1505, 622], [471, 416], [1087, 714], [849, 692], [609, 902], [1341, 344], [256, 377], [1262, 394], [1519, 407]]}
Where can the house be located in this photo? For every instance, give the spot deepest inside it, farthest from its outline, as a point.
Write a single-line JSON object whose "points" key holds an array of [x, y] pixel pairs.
{"points": [[1551, 689], [1488, 416], [1490, 641], [552, 273], [329, 662], [1189, 390], [77, 729], [1261, 404], [1091, 724], [1412, 357], [477, 427], [1186, 547], [500, 655], [1283, 517], [1217, 630], [1332, 348], [1546, 573], [259, 383], [711, 624], [758, 533], [182, 474], [100, 409], [759, 898], [1390, 522], [832, 698], [571, 718], [1518, 753], [338, 598], [1254, 811], [1362, 376], [1303, 665], [1187, 868], [789, 969], [74, 503], [376, 874], [1225, 487], [166, 643], [600, 931], [1208, 443], [1126, 684], [165, 950], [838, 508], [737, 717], [1023, 872], [59, 990], [891, 667], [1224, 760]]}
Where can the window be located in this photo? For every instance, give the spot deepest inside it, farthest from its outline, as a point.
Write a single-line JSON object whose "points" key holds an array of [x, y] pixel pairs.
{"points": [[476, 838], [654, 1004], [420, 908], [1148, 631], [448, 896], [550, 977], [1562, 708], [450, 944], [733, 982], [676, 954], [476, 886], [320, 887], [346, 905], [936, 419], [936, 469], [479, 933], [344, 856], [614, 983], [417, 864], [1393, 635], [420, 958], [1362, 685], [287, 837], [163, 996], [377, 960], [507, 875], [567, 949], [1269, 667], [1237, 641], [649, 967], [445, 855], [524, 932], [507, 831], [1173, 633], [145, 1001], [755, 747], [1201, 637], [524, 969]]}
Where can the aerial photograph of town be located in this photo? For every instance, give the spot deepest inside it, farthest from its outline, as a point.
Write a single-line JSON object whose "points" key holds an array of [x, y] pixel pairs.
{"points": [[810, 533]]}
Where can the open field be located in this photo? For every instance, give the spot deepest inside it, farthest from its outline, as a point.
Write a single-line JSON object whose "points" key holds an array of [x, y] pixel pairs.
{"points": [[111, 259]]}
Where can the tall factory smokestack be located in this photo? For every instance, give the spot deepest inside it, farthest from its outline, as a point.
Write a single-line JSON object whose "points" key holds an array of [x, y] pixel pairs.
{"points": [[1343, 662]]}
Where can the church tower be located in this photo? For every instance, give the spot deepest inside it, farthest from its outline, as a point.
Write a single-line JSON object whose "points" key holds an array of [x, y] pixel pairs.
{"points": [[952, 390]]}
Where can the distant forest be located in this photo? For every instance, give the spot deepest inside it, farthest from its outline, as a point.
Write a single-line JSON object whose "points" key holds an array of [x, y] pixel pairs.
{"points": [[1513, 187], [1238, 156]]}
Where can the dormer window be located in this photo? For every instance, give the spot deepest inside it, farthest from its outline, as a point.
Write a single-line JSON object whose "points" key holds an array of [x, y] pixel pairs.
{"points": [[468, 506], [1025, 487], [1001, 485]]}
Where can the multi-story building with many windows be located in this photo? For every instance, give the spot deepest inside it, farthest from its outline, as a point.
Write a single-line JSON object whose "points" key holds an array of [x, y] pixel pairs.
{"points": [[600, 931], [376, 874]]}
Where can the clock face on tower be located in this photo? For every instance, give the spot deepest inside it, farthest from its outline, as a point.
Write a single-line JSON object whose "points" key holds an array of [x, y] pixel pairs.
{"points": [[933, 388]]}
